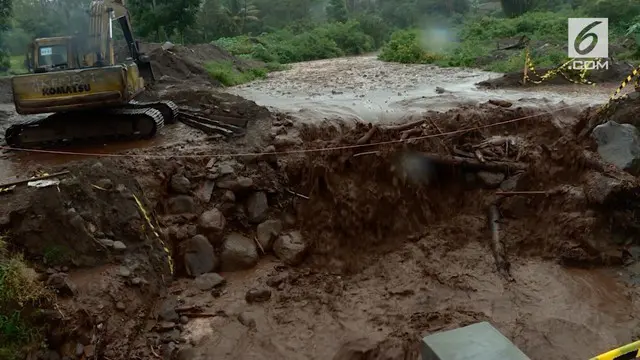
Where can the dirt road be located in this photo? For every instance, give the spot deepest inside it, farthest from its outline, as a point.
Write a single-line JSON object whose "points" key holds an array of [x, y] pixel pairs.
{"points": [[329, 241]]}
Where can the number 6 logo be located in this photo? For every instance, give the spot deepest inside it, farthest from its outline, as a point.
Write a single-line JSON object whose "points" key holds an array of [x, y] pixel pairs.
{"points": [[588, 38], [584, 35]]}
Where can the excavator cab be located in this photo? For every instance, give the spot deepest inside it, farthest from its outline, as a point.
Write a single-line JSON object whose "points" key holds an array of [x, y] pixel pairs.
{"points": [[51, 54]]}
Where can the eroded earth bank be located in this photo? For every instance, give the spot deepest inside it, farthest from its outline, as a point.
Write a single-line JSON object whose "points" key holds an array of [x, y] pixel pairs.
{"points": [[333, 238]]}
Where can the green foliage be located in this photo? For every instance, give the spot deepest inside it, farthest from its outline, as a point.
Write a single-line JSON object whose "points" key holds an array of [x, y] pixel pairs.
{"points": [[337, 10], [322, 42], [20, 294], [405, 47], [516, 7], [478, 37], [227, 75]]}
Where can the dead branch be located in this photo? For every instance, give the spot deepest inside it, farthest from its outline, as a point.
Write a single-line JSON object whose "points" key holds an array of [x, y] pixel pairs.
{"points": [[461, 152], [496, 166], [19, 182], [407, 133], [499, 254], [479, 156], [512, 193], [406, 126], [367, 137]]}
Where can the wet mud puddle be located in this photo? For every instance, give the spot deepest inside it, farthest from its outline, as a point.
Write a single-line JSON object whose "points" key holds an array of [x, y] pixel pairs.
{"points": [[367, 89]]}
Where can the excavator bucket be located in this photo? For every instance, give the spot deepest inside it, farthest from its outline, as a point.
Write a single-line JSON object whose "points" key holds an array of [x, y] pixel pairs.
{"points": [[145, 69]]}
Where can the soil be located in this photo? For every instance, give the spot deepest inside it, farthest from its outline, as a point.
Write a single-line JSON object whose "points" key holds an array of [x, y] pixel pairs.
{"points": [[370, 244], [614, 74]]}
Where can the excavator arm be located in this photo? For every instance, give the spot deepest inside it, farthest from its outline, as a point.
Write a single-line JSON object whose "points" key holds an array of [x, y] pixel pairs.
{"points": [[102, 13]]}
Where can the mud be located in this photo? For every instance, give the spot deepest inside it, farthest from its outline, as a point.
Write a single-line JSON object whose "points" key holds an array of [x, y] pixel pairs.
{"points": [[68, 231], [381, 230], [614, 74]]}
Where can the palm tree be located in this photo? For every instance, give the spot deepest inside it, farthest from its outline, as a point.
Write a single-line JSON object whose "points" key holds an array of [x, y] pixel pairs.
{"points": [[240, 12]]}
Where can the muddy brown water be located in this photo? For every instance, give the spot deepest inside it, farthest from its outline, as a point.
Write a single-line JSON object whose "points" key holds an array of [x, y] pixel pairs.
{"points": [[548, 311]]}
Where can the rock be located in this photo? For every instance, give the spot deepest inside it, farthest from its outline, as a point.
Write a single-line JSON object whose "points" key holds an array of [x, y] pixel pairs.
{"points": [[268, 155], [120, 306], [440, 90], [89, 351], [167, 46], [181, 204], [199, 257], [171, 336], [247, 320], [225, 169], [287, 140], [490, 180], [119, 246], [106, 242], [598, 187], [205, 191], [212, 223], [62, 284], [228, 182], [168, 311], [257, 295], [244, 182], [186, 354], [79, 349], [501, 103], [208, 281], [290, 248], [267, 232], [180, 184], [229, 197], [511, 184], [278, 279], [238, 253], [619, 144], [184, 320], [257, 207], [124, 271]]}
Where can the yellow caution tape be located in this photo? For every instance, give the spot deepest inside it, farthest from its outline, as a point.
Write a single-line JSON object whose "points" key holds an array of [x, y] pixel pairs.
{"points": [[629, 351], [634, 74], [553, 72], [162, 243]]}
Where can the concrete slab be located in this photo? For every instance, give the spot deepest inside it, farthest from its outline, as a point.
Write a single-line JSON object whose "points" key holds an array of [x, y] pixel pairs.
{"points": [[479, 341]]}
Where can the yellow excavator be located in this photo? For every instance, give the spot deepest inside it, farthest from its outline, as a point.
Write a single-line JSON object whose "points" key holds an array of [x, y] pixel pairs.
{"points": [[90, 95]]}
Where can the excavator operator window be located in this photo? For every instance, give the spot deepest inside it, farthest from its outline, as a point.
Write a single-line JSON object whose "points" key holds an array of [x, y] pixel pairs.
{"points": [[52, 56]]}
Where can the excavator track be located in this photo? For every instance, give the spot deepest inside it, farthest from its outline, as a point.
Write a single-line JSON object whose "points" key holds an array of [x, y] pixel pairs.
{"points": [[168, 108], [126, 123]]}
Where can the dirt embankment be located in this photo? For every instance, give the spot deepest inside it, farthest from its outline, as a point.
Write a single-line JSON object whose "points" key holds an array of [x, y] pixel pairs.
{"points": [[614, 75], [389, 240]]}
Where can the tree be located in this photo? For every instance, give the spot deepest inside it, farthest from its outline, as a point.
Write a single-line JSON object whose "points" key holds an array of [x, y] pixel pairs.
{"points": [[337, 10], [240, 12], [513, 8], [5, 18]]}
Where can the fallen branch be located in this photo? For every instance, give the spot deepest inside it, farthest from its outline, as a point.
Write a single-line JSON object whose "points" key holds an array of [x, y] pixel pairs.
{"points": [[511, 193], [479, 156], [366, 153], [407, 133], [297, 194], [496, 166], [499, 254], [406, 126], [43, 177], [255, 239], [367, 137]]}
